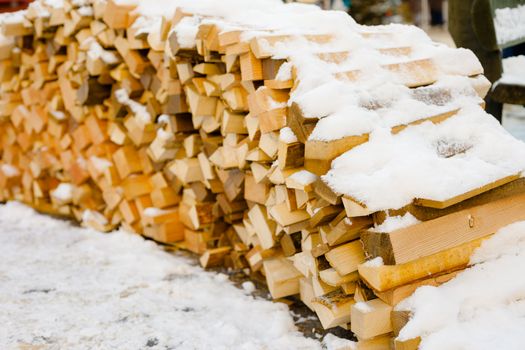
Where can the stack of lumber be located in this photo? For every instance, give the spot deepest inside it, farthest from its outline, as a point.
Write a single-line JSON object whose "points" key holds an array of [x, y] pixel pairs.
{"points": [[251, 136]]}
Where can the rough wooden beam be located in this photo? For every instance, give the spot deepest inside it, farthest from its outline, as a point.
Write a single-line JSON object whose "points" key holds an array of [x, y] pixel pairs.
{"points": [[384, 277], [430, 237]]}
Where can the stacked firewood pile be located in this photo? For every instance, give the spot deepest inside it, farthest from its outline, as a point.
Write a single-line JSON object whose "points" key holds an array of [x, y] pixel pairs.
{"points": [[259, 147]]}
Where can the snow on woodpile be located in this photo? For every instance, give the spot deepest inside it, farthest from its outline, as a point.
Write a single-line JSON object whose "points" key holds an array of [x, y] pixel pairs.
{"points": [[365, 78], [426, 161], [509, 24], [482, 308], [393, 223], [242, 126]]}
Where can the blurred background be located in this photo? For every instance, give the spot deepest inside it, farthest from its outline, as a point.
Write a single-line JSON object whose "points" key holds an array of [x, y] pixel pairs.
{"points": [[12, 5], [373, 12]]}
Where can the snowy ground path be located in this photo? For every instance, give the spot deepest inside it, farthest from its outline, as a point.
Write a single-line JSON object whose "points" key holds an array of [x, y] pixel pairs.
{"points": [[64, 287]]}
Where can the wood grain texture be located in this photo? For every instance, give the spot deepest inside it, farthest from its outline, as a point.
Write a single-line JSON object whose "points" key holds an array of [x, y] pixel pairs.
{"points": [[385, 277], [430, 237]]}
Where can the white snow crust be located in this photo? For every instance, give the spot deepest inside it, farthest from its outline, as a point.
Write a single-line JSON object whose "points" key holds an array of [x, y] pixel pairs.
{"points": [[393, 223]]}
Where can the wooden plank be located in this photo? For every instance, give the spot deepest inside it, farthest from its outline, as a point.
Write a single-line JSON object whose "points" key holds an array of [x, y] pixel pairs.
{"points": [[282, 277], [333, 278], [345, 230], [370, 319], [441, 204], [214, 257], [251, 67], [353, 208], [116, 14], [318, 155], [426, 213], [430, 237], [396, 295], [409, 344], [384, 277], [346, 258], [333, 309], [264, 228]]}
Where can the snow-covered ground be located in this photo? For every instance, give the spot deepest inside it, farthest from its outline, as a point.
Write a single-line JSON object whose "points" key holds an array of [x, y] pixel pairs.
{"points": [[65, 287]]}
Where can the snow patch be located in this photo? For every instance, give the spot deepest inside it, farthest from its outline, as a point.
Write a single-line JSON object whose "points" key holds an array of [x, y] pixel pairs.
{"points": [[363, 307], [332, 342], [285, 72], [393, 223], [63, 192], [248, 287], [287, 136], [304, 177], [376, 262], [139, 111]]}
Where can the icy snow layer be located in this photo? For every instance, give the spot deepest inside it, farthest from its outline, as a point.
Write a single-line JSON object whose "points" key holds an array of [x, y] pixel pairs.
{"points": [[483, 308], [431, 161], [513, 71], [509, 24], [64, 287]]}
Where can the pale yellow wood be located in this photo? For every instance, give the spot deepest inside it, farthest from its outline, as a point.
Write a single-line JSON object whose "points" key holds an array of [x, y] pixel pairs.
{"points": [[284, 217], [370, 319], [378, 343], [333, 309], [346, 258], [282, 277], [306, 292], [385, 277], [332, 277], [263, 227], [396, 295], [448, 231]]}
